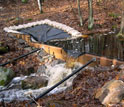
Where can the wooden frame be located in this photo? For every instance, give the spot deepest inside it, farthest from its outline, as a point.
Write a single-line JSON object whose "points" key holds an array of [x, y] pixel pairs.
{"points": [[59, 53]]}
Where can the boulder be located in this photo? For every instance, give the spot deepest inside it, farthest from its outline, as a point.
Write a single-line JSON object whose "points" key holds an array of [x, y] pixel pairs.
{"points": [[70, 62], [1, 8], [6, 75], [111, 93], [29, 70], [4, 49], [41, 69], [34, 82], [120, 76], [121, 67]]}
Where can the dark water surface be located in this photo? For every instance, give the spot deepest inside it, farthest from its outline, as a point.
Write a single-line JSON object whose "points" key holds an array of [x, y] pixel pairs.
{"points": [[101, 45]]}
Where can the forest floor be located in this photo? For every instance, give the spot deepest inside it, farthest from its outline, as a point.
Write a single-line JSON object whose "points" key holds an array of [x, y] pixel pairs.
{"points": [[107, 17]]}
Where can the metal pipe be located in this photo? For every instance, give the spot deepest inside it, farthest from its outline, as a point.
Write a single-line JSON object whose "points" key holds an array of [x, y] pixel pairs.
{"points": [[35, 50], [66, 78]]}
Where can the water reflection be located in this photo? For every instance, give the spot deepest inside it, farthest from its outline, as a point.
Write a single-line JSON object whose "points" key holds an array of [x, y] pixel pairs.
{"points": [[102, 45], [108, 46]]}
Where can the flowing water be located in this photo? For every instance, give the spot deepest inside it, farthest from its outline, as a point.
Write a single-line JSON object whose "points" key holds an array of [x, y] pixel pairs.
{"points": [[53, 72]]}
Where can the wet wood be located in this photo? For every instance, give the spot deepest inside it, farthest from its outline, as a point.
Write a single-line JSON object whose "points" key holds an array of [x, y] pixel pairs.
{"points": [[59, 53]]}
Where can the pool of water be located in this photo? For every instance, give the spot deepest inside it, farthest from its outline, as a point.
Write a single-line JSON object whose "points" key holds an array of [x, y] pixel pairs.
{"points": [[101, 45]]}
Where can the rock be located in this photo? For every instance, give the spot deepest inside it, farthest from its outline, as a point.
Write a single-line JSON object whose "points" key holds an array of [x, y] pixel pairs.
{"points": [[21, 41], [120, 76], [42, 53], [70, 62], [30, 70], [41, 69], [111, 93], [34, 82], [56, 61], [4, 49], [1, 8], [121, 67], [28, 49], [6, 75]]}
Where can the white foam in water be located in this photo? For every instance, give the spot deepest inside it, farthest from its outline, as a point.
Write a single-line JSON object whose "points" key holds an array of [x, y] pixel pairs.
{"points": [[55, 74]]}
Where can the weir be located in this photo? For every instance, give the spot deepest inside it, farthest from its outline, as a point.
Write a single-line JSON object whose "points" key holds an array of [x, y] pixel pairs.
{"points": [[68, 44]]}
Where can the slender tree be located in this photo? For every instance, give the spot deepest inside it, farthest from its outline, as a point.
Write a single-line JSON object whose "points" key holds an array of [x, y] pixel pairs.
{"points": [[90, 19], [121, 32], [40, 4], [79, 13]]}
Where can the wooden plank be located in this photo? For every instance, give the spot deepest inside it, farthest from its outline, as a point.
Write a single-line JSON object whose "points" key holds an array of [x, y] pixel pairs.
{"points": [[59, 53]]}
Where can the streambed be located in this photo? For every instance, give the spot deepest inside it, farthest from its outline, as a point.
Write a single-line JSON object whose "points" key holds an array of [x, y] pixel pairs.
{"points": [[81, 92], [53, 72]]}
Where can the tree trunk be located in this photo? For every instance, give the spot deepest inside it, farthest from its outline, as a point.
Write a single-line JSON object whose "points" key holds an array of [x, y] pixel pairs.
{"points": [[79, 13], [40, 5], [90, 20], [122, 23], [121, 32]]}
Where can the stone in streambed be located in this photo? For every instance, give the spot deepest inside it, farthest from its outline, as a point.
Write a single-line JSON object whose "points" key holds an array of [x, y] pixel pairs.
{"points": [[4, 49], [111, 93], [6, 75], [34, 82], [121, 67]]}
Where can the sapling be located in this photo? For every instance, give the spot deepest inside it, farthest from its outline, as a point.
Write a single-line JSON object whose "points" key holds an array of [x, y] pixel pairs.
{"points": [[90, 19], [121, 32], [40, 4], [79, 13]]}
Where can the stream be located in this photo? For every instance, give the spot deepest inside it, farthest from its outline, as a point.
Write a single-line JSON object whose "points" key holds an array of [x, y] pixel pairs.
{"points": [[53, 72]]}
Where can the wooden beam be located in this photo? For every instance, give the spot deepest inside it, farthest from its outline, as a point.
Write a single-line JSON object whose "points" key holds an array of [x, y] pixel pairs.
{"points": [[59, 53]]}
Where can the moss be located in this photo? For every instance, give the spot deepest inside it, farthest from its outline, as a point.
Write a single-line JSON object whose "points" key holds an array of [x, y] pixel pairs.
{"points": [[2, 82], [24, 1], [29, 19], [114, 15], [3, 49], [6, 75], [114, 26]]}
